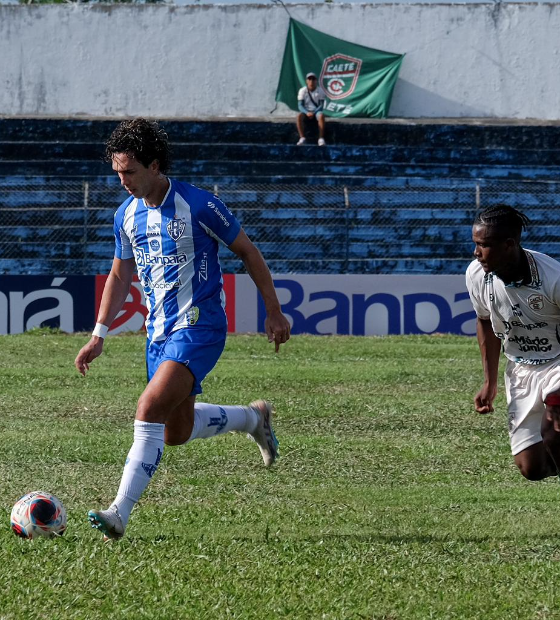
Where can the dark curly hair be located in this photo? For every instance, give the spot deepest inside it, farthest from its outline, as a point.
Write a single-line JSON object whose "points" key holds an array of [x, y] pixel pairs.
{"points": [[142, 139], [507, 221]]}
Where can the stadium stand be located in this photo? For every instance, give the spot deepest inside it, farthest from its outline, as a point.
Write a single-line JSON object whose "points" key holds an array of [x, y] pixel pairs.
{"points": [[383, 197]]}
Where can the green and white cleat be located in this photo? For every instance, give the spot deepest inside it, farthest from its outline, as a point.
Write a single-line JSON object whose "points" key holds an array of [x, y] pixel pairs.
{"points": [[108, 522], [264, 433]]}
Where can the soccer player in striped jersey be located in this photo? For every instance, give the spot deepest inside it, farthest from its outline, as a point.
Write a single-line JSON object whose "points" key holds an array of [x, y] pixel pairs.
{"points": [[516, 295], [169, 231]]}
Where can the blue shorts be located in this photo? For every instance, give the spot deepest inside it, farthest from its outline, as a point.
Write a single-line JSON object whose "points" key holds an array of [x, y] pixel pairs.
{"points": [[198, 349], [317, 114]]}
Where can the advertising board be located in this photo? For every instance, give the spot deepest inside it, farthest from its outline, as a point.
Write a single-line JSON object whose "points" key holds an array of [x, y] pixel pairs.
{"points": [[359, 305]]}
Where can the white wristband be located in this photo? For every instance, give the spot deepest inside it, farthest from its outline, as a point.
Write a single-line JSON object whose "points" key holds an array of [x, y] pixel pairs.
{"points": [[100, 330]]}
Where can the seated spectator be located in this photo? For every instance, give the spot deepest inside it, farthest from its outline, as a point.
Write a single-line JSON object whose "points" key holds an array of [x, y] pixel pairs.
{"points": [[311, 99]]}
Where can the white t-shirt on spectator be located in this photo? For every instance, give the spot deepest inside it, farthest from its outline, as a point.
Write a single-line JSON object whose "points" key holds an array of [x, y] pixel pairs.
{"points": [[311, 99]]}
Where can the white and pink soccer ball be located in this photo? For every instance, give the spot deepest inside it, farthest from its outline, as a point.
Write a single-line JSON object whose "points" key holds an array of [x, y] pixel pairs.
{"points": [[38, 514]]}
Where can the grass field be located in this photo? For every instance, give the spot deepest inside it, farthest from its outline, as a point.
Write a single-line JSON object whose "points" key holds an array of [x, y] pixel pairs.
{"points": [[392, 498]]}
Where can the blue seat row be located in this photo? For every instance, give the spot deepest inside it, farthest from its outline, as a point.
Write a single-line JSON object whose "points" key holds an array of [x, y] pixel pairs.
{"points": [[230, 131], [275, 154]]}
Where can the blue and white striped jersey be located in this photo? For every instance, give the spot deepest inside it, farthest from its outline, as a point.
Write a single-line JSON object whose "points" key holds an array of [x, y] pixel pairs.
{"points": [[175, 247]]}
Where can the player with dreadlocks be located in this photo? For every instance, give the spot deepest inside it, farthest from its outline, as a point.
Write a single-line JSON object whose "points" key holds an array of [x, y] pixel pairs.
{"points": [[516, 295]]}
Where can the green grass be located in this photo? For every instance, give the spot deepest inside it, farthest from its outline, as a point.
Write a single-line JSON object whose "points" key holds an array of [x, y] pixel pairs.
{"points": [[392, 498]]}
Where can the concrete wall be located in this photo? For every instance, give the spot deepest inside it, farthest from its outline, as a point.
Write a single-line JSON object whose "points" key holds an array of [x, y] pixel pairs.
{"points": [[498, 60]]}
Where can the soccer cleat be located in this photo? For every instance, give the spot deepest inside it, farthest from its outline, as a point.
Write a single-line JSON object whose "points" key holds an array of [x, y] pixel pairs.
{"points": [[301, 141], [321, 142], [108, 522], [264, 433]]}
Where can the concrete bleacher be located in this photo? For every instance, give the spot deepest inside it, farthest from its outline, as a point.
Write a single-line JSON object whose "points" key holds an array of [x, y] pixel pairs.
{"points": [[263, 153], [382, 197]]}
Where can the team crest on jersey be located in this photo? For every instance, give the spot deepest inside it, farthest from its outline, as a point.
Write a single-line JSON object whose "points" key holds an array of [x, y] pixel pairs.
{"points": [[176, 228], [192, 315], [536, 302], [339, 75]]}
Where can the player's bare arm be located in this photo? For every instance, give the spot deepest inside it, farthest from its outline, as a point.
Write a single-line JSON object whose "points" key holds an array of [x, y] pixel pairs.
{"points": [[115, 293], [490, 347], [276, 324]]}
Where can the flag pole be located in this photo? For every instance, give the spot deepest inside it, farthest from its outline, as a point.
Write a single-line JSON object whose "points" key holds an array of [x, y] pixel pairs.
{"points": [[280, 2]]}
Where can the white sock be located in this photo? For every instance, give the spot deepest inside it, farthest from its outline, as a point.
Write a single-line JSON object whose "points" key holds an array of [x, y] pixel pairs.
{"points": [[141, 464], [211, 420]]}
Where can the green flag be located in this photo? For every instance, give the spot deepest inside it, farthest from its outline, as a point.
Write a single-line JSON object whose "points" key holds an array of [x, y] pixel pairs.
{"points": [[357, 80]]}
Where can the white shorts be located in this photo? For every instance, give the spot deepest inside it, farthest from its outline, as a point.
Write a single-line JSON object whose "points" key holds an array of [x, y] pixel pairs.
{"points": [[526, 388]]}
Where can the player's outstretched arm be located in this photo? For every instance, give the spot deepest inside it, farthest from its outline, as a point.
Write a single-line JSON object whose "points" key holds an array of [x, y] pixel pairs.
{"points": [[115, 293], [276, 324], [490, 346]]}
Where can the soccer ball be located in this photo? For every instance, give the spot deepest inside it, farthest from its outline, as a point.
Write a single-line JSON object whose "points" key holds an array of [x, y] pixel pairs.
{"points": [[38, 514]]}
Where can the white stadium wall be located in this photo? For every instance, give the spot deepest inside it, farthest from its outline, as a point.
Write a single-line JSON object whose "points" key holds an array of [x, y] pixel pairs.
{"points": [[496, 60]]}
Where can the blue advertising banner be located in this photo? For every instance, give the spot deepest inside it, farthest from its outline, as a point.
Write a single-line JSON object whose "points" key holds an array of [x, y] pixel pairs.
{"points": [[66, 302], [363, 305], [359, 305]]}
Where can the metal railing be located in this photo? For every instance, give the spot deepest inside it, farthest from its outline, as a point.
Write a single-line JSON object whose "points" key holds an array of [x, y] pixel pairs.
{"points": [[380, 225]]}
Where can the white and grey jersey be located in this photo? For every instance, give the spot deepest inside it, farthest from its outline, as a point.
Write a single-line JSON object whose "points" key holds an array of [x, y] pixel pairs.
{"points": [[311, 100], [526, 317]]}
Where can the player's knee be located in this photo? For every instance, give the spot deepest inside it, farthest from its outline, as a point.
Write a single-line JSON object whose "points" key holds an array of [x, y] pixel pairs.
{"points": [[536, 467], [148, 410], [533, 471]]}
